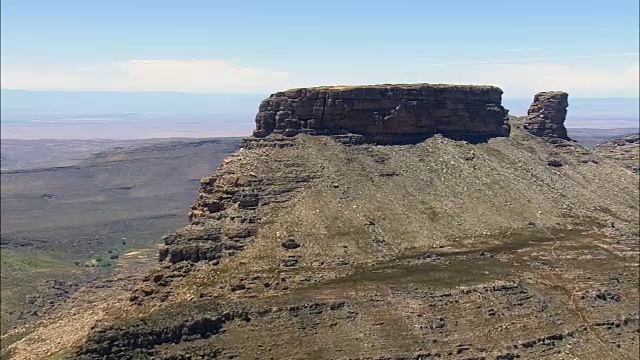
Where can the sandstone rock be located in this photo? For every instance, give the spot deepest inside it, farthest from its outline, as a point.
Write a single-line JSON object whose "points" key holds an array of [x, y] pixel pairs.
{"points": [[386, 113], [237, 287], [290, 262], [247, 199], [192, 252], [546, 115], [290, 244], [439, 323], [554, 163], [621, 141]]}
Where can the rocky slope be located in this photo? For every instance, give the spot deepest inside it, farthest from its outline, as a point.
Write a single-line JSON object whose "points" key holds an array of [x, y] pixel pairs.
{"points": [[624, 150], [327, 244]]}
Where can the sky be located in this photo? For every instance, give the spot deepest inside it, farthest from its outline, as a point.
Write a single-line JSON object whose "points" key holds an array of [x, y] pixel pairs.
{"points": [[588, 48]]}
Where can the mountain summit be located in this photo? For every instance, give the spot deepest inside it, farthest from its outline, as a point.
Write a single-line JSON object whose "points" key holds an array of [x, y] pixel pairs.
{"points": [[386, 113]]}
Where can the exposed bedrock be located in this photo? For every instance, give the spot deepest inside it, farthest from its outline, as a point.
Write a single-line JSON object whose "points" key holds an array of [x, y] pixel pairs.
{"points": [[386, 113], [547, 114]]}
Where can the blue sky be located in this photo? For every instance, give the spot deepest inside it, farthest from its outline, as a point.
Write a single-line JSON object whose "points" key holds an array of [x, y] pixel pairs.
{"points": [[589, 48]]}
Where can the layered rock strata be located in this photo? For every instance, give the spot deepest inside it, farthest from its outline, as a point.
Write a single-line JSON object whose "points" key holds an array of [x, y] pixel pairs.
{"points": [[547, 114], [386, 113], [225, 214]]}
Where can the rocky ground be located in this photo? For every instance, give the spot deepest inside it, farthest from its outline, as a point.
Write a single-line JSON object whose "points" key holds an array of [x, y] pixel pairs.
{"points": [[623, 150], [562, 297]]}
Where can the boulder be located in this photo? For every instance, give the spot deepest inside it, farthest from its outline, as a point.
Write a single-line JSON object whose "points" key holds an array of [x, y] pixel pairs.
{"points": [[290, 244]]}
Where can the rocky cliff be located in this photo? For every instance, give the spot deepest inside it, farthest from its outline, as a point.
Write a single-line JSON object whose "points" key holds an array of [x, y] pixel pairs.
{"points": [[547, 114], [386, 113]]}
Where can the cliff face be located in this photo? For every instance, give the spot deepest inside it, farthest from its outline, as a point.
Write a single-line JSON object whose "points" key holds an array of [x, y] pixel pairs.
{"points": [[225, 214], [547, 114], [386, 113]]}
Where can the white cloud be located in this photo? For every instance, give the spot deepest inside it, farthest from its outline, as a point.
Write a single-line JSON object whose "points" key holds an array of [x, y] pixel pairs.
{"points": [[521, 50], [523, 77], [215, 75], [578, 80], [149, 75], [515, 79]]}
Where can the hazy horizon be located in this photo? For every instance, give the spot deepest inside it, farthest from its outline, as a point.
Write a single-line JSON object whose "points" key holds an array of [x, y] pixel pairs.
{"points": [[29, 114]]}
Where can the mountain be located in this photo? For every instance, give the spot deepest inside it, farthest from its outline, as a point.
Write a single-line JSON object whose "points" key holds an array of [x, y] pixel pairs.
{"points": [[384, 222]]}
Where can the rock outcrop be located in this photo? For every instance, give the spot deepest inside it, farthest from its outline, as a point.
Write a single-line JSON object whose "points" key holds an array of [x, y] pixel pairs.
{"points": [[633, 139], [386, 113], [224, 216], [546, 115]]}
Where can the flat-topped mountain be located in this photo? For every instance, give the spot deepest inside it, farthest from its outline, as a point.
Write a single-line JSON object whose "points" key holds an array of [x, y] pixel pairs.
{"points": [[385, 222], [386, 113]]}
